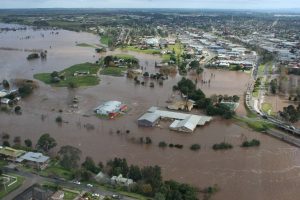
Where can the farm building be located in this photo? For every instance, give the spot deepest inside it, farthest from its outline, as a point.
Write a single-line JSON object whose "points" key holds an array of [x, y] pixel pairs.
{"points": [[111, 108], [148, 119]]}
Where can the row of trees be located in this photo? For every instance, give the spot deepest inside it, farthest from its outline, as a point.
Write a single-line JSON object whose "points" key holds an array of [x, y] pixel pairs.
{"points": [[148, 179], [188, 88]]}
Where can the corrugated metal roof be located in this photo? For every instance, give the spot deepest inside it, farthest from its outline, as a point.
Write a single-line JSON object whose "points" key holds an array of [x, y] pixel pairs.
{"points": [[151, 117], [34, 157]]}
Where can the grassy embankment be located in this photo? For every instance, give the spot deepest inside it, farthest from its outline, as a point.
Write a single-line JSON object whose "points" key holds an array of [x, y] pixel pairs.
{"points": [[86, 80], [255, 124], [13, 187]]}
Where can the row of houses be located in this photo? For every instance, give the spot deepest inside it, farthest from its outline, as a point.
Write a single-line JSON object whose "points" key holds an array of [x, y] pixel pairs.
{"points": [[183, 122], [33, 159]]}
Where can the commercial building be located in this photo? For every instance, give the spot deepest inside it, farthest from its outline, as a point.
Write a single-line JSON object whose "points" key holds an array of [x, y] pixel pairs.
{"points": [[183, 122], [111, 108], [148, 119]]}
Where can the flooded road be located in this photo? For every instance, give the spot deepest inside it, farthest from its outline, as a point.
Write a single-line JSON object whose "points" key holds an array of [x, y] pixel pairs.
{"points": [[268, 172]]}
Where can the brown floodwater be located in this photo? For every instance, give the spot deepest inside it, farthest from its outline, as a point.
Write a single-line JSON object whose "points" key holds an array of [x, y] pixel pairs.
{"points": [[268, 172]]}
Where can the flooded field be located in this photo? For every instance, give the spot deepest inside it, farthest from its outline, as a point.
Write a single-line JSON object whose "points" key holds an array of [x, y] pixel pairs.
{"points": [[268, 172]]}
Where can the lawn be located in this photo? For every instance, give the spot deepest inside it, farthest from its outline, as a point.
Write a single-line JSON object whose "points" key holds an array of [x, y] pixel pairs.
{"points": [[255, 93], [69, 195], [105, 39], [3, 163], [86, 80], [267, 108], [14, 185], [261, 69], [113, 71], [124, 56], [54, 169]]}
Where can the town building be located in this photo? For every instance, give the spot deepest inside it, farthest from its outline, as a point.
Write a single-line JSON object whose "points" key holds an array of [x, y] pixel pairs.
{"points": [[36, 160], [10, 154]]}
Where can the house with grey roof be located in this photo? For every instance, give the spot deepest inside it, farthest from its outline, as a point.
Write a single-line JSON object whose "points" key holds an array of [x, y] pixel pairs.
{"points": [[36, 160]]}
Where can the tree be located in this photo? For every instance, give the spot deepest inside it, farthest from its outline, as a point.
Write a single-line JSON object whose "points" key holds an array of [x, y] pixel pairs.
{"points": [[152, 175], [134, 173], [273, 86], [54, 74], [108, 60], [25, 90], [17, 140], [159, 196], [5, 136], [28, 143], [90, 165], [195, 64], [6, 144], [17, 109], [46, 142], [69, 157], [117, 166]]}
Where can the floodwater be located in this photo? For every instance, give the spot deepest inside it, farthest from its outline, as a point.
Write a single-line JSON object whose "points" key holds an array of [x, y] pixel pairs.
{"points": [[268, 172]]}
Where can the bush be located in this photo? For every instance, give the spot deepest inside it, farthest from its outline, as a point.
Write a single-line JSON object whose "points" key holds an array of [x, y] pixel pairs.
{"points": [[222, 145], [162, 144], [58, 119], [195, 147], [25, 90], [252, 143], [171, 145], [178, 146]]}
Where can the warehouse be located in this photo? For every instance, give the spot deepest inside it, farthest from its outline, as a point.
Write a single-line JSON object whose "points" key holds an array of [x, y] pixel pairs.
{"points": [[148, 120]]}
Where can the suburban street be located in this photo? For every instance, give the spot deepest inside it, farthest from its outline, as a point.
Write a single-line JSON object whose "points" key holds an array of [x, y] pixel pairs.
{"points": [[31, 179]]}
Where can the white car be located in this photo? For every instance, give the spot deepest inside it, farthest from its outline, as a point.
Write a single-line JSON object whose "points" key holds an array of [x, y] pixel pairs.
{"points": [[77, 182], [89, 185], [96, 195]]}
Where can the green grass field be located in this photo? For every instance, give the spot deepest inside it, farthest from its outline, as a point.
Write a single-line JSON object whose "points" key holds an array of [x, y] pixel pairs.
{"points": [[146, 51], [12, 187], [88, 80], [267, 108], [105, 39], [124, 56], [113, 71], [54, 169], [255, 124]]}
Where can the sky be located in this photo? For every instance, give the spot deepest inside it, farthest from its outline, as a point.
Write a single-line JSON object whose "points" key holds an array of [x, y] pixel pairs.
{"points": [[214, 4]]}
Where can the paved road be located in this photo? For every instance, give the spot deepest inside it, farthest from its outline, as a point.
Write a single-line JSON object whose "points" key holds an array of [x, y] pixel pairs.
{"points": [[32, 179]]}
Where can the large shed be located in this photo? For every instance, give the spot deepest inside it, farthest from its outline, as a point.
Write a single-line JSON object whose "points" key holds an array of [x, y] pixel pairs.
{"points": [[148, 119]]}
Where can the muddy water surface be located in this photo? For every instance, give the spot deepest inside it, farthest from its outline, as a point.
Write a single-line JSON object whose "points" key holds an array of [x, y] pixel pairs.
{"points": [[268, 172]]}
